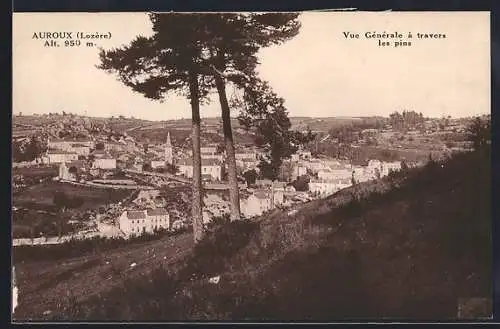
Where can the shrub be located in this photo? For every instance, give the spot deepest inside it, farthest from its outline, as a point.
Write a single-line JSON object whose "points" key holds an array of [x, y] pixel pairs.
{"points": [[220, 242]]}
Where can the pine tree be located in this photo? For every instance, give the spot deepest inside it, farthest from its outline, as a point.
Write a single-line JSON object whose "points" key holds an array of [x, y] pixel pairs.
{"points": [[168, 62], [233, 41], [264, 111]]}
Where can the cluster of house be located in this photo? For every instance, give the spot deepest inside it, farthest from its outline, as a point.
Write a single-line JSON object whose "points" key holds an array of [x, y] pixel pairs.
{"points": [[337, 176], [212, 161], [77, 156], [328, 176]]}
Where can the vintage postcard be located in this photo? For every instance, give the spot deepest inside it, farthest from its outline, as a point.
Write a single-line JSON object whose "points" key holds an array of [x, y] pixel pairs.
{"points": [[309, 166]]}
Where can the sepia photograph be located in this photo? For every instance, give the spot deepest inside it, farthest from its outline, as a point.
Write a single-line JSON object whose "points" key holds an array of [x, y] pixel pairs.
{"points": [[316, 166]]}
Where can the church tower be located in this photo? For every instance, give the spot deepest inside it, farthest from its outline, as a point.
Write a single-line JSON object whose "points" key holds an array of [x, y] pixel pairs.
{"points": [[169, 153]]}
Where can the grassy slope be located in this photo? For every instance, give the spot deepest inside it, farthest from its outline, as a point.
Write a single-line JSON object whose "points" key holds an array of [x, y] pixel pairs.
{"points": [[53, 285], [409, 250]]}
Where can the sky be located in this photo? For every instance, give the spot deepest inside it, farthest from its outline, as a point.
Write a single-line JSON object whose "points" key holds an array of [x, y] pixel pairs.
{"points": [[319, 73]]}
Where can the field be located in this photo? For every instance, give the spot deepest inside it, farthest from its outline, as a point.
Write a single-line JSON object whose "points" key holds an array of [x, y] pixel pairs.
{"points": [[54, 286], [51, 171], [321, 124], [180, 135], [410, 155], [37, 214], [42, 195]]}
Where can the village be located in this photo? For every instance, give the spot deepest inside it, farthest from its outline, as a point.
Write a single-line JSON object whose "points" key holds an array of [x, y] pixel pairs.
{"points": [[155, 179]]}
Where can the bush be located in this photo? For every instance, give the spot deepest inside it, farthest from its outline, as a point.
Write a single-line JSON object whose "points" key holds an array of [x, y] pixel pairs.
{"points": [[221, 241]]}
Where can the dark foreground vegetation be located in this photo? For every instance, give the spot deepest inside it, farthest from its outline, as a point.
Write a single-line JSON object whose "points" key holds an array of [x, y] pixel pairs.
{"points": [[410, 246]]}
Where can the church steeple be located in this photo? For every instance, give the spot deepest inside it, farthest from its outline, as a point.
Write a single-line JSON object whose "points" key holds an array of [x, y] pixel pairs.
{"points": [[169, 153], [169, 143]]}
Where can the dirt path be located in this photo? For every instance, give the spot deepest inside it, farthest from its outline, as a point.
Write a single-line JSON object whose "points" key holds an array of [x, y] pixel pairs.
{"points": [[49, 286]]}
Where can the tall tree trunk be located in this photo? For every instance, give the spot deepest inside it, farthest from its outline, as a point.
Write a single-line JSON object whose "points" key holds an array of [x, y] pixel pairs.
{"points": [[197, 211], [61, 219], [234, 196]]}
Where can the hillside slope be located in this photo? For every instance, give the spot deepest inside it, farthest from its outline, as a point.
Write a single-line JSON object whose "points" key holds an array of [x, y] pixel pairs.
{"points": [[411, 246]]}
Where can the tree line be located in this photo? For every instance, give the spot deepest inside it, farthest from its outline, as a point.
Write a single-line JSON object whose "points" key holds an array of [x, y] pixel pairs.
{"points": [[28, 151], [406, 120]]}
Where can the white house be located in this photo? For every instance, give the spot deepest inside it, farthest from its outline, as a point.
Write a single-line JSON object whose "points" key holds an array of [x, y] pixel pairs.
{"points": [[113, 146], [314, 165], [263, 200], [246, 156], [328, 187], [361, 174], [218, 157], [387, 167], [256, 204], [66, 144], [157, 164], [58, 156], [137, 222], [305, 154], [332, 174], [379, 168], [247, 164], [322, 188], [298, 171], [104, 163], [80, 149], [158, 218], [208, 149], [209, 167]]}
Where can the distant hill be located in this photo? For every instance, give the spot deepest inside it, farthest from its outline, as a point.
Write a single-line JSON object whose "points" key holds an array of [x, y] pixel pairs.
{"points": [[411, 246]]}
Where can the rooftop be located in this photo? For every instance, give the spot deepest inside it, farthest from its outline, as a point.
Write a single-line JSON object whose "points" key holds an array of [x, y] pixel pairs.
{"points": [[59, 152], [157, 212], [332, 181], [75, 163], [261, 195], [134, 214], [204, 162], [72, 140]]}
